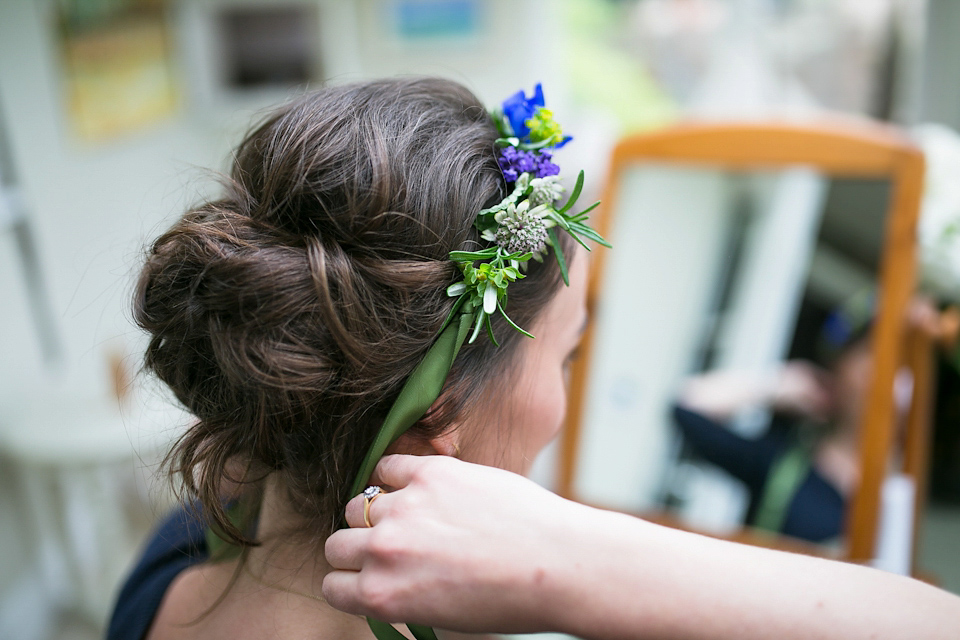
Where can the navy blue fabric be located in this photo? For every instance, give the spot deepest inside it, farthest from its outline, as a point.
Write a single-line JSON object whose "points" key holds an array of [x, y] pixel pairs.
{"points": [[817, 511], [177, 544]]}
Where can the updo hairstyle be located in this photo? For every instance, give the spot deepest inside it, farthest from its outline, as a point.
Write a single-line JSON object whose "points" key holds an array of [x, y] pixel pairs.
{"points": [[287, 314]]}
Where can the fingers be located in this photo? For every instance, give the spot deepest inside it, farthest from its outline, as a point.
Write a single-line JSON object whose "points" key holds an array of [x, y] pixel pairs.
{"points": [[397, 470], [354, 512], [344, 549], [355, 508], [342, 590]]}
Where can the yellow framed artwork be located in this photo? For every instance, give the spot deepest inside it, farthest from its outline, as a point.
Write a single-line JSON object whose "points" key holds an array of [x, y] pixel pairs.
{"points": [[117, 66]]}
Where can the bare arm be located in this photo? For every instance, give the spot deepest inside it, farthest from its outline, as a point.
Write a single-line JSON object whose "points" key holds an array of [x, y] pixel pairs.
{"points": [[665, 583], [796, 387], [471, 548]]}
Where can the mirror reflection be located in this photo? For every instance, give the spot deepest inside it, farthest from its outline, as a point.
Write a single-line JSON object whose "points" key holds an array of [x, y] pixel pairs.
{"points": [[732, 355]]}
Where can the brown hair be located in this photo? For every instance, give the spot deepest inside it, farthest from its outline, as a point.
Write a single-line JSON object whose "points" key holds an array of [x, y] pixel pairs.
{"points": [[287, 314]]}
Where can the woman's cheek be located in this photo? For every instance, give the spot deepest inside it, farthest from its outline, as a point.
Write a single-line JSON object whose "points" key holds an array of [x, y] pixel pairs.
{"points": [[552, 405]]}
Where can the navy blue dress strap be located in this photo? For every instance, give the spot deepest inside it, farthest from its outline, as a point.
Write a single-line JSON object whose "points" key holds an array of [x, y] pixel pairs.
{"points": [[177, 544]]}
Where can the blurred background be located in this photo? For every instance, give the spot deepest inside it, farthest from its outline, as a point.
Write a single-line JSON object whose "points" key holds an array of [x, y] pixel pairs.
{"points": [[113, 113]]}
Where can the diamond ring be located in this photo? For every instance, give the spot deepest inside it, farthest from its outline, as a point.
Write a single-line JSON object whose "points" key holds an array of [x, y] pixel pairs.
{"points": [[370, 494]]}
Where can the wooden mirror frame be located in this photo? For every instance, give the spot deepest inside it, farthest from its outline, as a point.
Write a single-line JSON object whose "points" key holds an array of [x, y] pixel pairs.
{"points": [[839, 148]]}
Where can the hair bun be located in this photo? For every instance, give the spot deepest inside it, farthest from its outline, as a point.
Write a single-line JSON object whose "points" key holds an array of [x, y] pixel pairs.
{"points": [[287, 315]]}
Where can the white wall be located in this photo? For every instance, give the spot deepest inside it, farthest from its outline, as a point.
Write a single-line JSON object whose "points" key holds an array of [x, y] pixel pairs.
{"points": [[92, 208]]}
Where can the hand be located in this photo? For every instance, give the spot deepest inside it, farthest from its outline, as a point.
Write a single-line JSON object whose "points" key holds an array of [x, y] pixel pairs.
{"points": [[922, 314], [796, 387], [453, 545], [471, 548], [803, 388]]}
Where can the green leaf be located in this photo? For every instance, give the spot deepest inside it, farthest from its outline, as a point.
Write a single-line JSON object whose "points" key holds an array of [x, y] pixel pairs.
{"points": [[577, 188], [512, 323], [576, 237], [533, 146], [583, 229], [502, 124], [586, 231], [558, 254], [518, 192], [562, 221], [454, 310], [477, 325], [583, 214], [420, 632], [493, 338], [384, 631], [519, 257], [473, 256]]}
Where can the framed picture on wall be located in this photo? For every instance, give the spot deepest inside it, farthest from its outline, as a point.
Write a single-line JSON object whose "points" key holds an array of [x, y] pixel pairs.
{"points": [[117, 66]]}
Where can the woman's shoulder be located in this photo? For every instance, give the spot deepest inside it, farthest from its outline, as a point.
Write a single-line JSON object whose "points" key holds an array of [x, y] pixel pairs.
{"points": [[216, 601], [188, 606]]}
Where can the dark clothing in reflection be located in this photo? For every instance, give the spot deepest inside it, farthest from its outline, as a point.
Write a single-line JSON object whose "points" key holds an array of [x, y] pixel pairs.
{"points": [[817, 510]]}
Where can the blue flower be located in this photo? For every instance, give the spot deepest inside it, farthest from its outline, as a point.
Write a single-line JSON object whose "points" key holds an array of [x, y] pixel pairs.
{"points": [[518, 109]]}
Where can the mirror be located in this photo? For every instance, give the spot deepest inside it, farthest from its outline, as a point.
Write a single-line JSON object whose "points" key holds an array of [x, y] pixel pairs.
{"points": [[744, 322]]}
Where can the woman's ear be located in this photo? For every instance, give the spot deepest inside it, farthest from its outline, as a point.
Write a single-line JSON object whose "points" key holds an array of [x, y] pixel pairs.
{"points": [[444, 444]]}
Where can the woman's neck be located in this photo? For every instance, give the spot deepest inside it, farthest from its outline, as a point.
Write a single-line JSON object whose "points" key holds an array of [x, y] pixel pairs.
{"points": [[285, 559], [838, 459]]}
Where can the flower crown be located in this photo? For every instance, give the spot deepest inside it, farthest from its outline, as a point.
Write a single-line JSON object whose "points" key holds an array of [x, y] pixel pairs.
{"points": [[524, 224], [521, 227]]}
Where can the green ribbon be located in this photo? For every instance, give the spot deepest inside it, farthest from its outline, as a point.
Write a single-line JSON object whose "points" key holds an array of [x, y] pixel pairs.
{"points": [[786, 476], [419, 392]]}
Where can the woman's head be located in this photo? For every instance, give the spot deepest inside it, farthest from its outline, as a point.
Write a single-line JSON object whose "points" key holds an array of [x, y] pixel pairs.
{"points": [[287, 314]]}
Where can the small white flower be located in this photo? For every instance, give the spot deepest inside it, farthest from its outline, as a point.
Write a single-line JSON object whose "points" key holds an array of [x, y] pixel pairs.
{"points": [[540, 211], [509, 213], [546, 190], [522, 229], [490, 298], [523, 181], [455, 290]]}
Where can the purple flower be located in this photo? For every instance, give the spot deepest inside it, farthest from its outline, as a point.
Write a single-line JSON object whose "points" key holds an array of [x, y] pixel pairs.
{"points": [[544, 166], [514, 161], [518, 109]]}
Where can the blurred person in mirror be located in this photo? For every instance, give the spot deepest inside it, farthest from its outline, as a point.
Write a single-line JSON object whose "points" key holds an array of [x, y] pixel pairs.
{"points": [[801, 473]]}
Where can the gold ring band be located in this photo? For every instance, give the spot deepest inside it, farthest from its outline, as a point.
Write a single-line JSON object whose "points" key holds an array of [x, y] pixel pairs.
{"points": [[370, 494]]}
